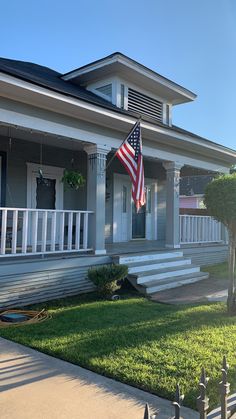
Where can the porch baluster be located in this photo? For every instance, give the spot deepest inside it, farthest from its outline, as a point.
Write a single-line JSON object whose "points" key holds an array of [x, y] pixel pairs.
{"points": [[62, 231], [85, 232], [44, 231], [3, 231], [77, 231], [14, 231], [25, 231], [70, 228], [53, 231]]}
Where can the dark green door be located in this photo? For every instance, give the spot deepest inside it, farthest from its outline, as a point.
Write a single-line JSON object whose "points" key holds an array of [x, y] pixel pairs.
{"points": [[138, 222]]}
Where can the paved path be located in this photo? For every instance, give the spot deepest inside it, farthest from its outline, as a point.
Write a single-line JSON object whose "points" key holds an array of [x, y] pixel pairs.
{"points": [[35, 385], [211, 289]]}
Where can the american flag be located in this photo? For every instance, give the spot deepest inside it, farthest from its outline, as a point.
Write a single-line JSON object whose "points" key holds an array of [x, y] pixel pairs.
{"points": [[130, 155]]}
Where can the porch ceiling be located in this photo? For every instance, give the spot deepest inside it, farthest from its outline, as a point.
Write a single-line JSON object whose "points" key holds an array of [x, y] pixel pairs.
{"points": [[38, 137]]}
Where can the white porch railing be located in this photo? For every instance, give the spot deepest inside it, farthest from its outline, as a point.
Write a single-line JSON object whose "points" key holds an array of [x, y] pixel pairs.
{"points": [[200, 229], [26, 231]]}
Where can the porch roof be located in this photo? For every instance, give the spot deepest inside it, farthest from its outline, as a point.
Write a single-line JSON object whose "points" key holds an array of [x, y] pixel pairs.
{"points": [[51, 79]]}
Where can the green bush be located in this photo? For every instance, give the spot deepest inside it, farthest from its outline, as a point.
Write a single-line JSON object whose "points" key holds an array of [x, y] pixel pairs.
{"points": [[106, 278]]}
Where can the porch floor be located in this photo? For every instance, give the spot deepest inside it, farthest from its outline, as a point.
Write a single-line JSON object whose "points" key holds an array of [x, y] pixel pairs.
{"points": [[145, 246], [135, 246]]}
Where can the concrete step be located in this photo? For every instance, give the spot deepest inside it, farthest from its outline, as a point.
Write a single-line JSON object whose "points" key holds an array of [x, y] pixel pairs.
{"points": [[157, 275], [156, 286], [127, 259], [157, 264]]}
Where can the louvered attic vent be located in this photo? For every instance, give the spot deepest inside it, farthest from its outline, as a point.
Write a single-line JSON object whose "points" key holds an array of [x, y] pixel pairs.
{"points": [[144, 105], [106, 90]]}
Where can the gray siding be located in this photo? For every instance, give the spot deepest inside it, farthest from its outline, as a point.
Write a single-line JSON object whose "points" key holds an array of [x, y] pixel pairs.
{"points": [[28, 282], [206, 255], [20, 152]]}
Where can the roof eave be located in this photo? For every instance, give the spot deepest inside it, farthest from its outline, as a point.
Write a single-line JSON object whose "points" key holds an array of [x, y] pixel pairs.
{"points": [[134, 65]]}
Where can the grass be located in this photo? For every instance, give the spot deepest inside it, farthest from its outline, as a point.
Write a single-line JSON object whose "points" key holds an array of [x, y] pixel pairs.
{"points": [[148, 345], [219, 271]]}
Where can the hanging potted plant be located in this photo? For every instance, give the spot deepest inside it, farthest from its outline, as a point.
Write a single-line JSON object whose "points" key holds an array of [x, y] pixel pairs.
{"points": [[73, 179]]}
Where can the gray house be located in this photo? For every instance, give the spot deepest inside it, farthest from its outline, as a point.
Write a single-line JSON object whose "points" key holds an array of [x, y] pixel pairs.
{"points": [[51, 234]]}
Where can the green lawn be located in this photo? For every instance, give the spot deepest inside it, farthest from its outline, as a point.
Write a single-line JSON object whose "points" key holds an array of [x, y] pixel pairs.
{"points": [[149, 345]]}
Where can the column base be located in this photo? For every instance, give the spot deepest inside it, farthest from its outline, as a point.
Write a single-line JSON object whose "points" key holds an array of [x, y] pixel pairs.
{"points": [[100, 252]]}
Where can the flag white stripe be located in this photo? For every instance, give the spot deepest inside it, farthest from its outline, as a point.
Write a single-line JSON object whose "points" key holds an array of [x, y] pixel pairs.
{"points": [[139, 179], [130, 148], [128, 164], [126, 154]]}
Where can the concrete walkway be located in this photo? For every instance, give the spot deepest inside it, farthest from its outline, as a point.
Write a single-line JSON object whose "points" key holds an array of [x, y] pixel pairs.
{"points": [[34, 385], [211, 289]]}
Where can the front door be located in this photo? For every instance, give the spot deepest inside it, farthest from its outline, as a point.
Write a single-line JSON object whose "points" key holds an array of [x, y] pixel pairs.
{"points": [[45, 191], [138, 222], [128, 223]]}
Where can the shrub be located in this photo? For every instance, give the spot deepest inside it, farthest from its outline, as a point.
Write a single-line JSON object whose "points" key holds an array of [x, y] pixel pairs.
{"points": [[106, 278], [220, 200]]}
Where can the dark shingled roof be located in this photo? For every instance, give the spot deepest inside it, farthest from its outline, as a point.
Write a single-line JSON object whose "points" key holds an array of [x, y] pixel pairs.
{"points": [[194, 185], [46, 77], [51, 79]]}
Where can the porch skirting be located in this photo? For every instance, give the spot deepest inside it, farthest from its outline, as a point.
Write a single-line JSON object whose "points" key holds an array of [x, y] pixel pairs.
{"points": [[28, 281], [33, 281]]}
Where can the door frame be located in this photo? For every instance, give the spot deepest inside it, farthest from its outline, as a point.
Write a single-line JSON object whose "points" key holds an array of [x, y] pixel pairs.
{"points": [[52, 172], [3, 175], [117, 209]]}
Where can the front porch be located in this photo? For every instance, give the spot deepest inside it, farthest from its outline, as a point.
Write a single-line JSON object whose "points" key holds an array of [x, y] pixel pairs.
{"points": [[40, 216], [31, 232]]}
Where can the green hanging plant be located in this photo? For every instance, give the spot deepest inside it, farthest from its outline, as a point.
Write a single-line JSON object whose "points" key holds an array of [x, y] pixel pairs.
{"points": [[73, 179]]}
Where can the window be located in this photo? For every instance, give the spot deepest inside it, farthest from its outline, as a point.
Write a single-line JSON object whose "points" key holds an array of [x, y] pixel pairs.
{"points": [[148, 199], [144, 105], [122, 96], [106, 90], [46, 193], [124, 199]]}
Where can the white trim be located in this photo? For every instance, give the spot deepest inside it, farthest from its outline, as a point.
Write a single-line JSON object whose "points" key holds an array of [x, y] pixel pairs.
{"points": [[51, 171], [139, 68], [40, 125]]}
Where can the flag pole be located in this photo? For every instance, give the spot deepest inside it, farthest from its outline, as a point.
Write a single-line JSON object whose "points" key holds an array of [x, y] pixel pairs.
{"points": [[111, 160]]}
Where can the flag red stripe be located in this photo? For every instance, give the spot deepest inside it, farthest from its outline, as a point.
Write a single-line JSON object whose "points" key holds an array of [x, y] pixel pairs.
{"points": [[130, 155]]}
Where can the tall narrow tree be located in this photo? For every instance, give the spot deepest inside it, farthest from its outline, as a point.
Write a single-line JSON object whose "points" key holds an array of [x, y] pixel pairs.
{"points": [[220, 200]]}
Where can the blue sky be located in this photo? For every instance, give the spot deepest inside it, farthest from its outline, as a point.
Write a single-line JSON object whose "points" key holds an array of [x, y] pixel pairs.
{"points": [[192, 42]]}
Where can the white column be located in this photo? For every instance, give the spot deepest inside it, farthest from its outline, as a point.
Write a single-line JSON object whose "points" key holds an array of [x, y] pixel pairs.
{"points": [[96, 190], [172, 204]]}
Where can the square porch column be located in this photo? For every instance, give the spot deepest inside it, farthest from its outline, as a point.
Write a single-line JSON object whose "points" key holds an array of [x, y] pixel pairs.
{"points": [[96, 191], [172, 204]]}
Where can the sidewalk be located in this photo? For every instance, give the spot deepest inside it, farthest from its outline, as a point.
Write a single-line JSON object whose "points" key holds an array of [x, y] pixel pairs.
{"points": [[207, 290], [35, 385]]}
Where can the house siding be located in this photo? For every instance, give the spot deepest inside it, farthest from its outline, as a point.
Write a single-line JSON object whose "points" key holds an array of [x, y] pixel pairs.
{"points": [[43, 280], [20, 152]]}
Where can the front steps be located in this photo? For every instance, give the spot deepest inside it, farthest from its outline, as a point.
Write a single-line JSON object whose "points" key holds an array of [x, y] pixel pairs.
{"points": [[153, 272]]}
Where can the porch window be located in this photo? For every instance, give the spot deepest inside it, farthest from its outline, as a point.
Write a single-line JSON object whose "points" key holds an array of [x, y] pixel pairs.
{"points": [[148, 199], [124, 199], [46, 193]]}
